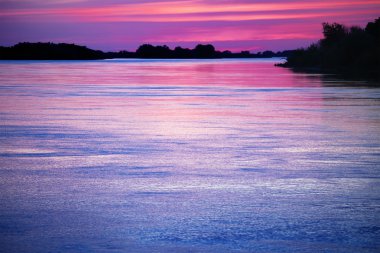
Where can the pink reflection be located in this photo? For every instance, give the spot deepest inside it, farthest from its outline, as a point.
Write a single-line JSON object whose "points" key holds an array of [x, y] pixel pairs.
{"points": [[247, 73], [156, 99]]}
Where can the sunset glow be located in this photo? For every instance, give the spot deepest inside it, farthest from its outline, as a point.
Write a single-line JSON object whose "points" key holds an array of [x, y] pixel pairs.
{"points": [[233, 25]]}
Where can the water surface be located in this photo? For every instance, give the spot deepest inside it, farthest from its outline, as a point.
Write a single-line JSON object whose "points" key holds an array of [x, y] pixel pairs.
{"points": [[186, 156]]}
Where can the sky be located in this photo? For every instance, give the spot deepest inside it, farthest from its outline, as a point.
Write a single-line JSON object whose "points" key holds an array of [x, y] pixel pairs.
{"points": [[235, 25]]}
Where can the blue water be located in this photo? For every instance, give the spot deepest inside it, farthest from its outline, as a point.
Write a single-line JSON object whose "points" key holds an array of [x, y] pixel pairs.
{"points": [[186, 156]]}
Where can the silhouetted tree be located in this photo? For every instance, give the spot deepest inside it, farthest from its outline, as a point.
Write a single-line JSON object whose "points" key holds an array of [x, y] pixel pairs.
{"points": [[226, 54], [62, 51], [267, 54], [183, 53], [245, 54], [205, 51], [373, 28], [353, 49], [149, 51], [333, 33], [50, 51]]}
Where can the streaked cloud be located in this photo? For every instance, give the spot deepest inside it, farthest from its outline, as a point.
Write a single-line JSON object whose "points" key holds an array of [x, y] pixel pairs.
{"points": [[140, 11], [266, 19]]}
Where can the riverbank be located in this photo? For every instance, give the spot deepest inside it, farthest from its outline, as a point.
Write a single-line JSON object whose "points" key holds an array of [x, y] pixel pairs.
{"points": [[64, 51], [348, 51]]}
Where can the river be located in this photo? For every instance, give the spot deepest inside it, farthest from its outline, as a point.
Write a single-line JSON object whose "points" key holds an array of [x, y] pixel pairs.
{"points": [[186, 156]]}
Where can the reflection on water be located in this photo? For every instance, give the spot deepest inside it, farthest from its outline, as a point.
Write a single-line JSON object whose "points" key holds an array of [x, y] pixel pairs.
{"points": [[179, 156]]}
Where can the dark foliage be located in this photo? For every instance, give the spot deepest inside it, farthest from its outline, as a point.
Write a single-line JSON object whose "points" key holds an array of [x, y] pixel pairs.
{"points": [[205, 51], [199, 52], [62, 51], [149, 51], [49, 51], [342, 49], [120, 54]]}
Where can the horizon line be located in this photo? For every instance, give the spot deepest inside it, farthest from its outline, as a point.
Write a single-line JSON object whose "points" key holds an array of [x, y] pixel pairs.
{"points": [[152, 44]]}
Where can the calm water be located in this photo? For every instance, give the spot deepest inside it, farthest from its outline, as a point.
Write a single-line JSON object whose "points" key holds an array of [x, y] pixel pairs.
{"points": [[186, 156]]}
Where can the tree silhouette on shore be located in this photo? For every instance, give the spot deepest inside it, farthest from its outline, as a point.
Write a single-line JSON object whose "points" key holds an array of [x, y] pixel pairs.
{"points": [[63, 51], [350, 49], [49, 51]]}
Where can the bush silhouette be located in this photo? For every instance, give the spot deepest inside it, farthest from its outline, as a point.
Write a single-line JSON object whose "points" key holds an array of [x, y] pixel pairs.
{"points": [[351, 49], [205, 51], [49, 51], [63, 51]]}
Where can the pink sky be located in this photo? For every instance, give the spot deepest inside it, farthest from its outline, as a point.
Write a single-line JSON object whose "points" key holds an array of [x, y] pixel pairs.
{"points": [[235, 25]]}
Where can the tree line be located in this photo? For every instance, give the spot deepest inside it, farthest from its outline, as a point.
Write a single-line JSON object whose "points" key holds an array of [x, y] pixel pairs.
{"points": [[343, 49], [63, 51]]}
